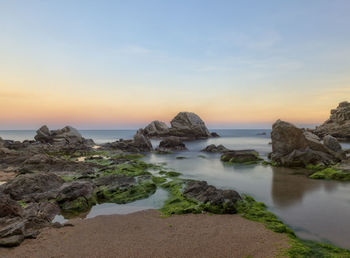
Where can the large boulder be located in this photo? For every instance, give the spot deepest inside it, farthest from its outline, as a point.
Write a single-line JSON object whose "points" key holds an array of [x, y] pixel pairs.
{"points": [[332, 143], [142, 142], [171, 143], [156, 129], [188, 124], [292, 146], [32, 186], [338, 125], [216, 199]]}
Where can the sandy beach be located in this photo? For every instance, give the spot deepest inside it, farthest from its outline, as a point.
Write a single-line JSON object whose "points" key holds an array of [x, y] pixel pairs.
{"points": [[147, 234]]}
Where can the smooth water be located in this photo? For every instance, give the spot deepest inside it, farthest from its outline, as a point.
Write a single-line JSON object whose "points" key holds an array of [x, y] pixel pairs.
{"points": [[315, 209]]}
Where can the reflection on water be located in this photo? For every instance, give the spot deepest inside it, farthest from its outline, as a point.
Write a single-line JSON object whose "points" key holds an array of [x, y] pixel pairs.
{"points": [[155, 201], [315, 209]]}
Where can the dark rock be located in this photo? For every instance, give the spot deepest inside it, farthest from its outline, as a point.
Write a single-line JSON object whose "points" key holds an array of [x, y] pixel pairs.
{"points": [[115, 181], [188, 124], [263, 133], [171, 143], [216, 149], [9, 207], [241, 156], [11, 231], [214, 134], [28, 185], [208, 194], [338, 125], [142, 142]]}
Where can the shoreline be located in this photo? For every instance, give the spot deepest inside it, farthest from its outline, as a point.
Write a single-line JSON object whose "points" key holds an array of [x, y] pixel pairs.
{"points": [[148, 234]]}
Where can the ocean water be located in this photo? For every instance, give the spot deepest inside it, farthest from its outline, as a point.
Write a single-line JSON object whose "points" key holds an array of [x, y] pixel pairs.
{"points": [[314, 209]]}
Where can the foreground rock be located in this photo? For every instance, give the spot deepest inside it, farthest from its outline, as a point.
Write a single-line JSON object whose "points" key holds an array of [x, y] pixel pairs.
{"points": [[292, 146], [186, 125], [215, 149], [241, 157], [223, 200], [338, 125], [170, 144]]}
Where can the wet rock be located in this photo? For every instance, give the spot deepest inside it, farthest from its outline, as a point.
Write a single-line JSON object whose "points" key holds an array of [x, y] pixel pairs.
{"points": [[216, 149], [156, 129], [171, 143], [292, 146], [241, 156], [208, 194], [39, 215], [338, 125], [76, 196], [26, 187], [115, 181]]}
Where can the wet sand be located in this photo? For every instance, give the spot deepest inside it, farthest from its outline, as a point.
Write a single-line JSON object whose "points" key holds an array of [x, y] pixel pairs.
{"points": [[147, 234]]}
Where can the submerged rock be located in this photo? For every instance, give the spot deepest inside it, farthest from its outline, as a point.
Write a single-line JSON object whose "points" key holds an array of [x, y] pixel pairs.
{"points": [[216, 199], [241, 156], [216, 149], [338, 125], [292, 146], [171, 143]]}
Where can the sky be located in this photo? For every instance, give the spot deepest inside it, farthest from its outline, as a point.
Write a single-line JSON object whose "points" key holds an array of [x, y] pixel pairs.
{"points": [[121, 64]]}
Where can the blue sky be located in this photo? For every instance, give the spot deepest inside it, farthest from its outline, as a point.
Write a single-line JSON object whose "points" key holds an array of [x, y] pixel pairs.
{"points": [[117, 64]]}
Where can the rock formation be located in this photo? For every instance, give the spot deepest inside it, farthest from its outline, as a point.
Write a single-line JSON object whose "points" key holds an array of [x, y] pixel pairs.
{"points": [[171, 143], [186, 125], [292, 146], [338, 125], [66, 135], [241, 156]]}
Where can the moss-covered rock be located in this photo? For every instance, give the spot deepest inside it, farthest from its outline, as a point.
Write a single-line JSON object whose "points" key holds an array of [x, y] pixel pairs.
{"points": [[241, 157], [331, 174]]}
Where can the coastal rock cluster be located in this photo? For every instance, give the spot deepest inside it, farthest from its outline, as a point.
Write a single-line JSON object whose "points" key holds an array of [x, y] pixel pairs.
{"points": [[186, 125], [292, 146], [338, 125]]}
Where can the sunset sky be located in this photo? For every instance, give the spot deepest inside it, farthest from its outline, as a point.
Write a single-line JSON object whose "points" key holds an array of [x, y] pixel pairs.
{"points": [[121, 64]]}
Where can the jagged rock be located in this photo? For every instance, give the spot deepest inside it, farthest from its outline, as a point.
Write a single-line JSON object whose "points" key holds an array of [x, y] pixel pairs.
{"points": [[241, 156], [292, 146], [208, 194], [338, 125], [76, 196], [157, 129], [25, 187], [142, 142], [171, 143], [43, 134], [11, 231], [217, 149]]}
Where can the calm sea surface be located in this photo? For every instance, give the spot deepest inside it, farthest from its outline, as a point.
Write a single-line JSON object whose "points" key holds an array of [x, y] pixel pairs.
{"points": [[315, 209]]}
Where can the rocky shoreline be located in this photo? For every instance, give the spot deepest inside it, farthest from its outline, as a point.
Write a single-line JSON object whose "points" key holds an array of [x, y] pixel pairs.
{"points": [[60, 172]]}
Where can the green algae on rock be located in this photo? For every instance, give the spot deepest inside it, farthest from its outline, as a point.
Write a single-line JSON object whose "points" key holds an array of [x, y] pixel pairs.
{"points": [[245, 157], [331, 174]]}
